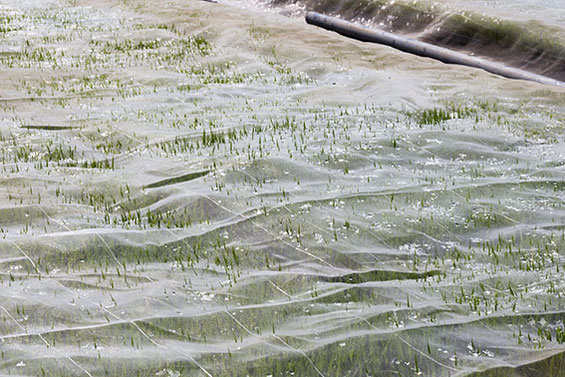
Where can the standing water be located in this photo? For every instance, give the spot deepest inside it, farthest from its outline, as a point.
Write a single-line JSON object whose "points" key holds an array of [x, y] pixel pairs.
{"points": [[219, 189]]}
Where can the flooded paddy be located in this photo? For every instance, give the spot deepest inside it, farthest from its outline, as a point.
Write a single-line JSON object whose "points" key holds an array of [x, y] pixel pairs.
{"points": [[203, 189]]}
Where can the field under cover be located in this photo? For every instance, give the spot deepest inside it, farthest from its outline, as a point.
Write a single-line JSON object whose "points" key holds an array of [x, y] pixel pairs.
{"points": [[191, 189]]}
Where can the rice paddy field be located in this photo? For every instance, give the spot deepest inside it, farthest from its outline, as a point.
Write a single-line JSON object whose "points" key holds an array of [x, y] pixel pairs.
{"points": [[191, 188]]}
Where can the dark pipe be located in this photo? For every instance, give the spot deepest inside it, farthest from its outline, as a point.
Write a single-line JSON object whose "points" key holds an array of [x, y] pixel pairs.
{"points": [[412, 46]]}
